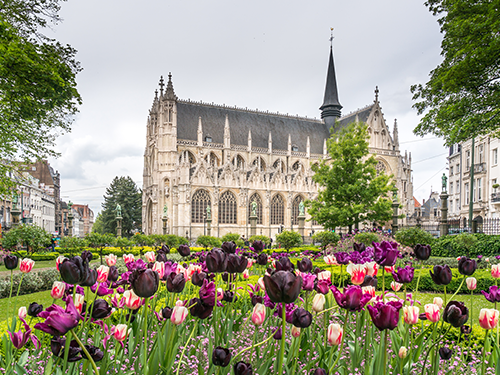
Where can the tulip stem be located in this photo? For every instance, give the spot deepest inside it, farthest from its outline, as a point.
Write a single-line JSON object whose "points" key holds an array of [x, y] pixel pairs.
{"points": [[283, 327], [256, 345], [342, 343], [418, 279], [432, 347], [454, 294], [185, 346], [385, 353], [484, 352], [383, 284], [445, 295], [96, 371], [145, 318], [15, 302]]}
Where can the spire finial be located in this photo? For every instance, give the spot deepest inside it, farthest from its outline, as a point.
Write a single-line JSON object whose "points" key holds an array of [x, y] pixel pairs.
{"points": [[376, 94], [169, 93], [162, 84], [156, 94], [331, 37]]}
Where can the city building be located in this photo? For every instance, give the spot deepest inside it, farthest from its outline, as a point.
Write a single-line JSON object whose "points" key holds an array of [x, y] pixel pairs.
{"points": [[86, 217]]}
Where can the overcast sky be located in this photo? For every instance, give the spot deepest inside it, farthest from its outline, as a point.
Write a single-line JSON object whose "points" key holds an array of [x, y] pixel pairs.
{"points": [[266, 55]]}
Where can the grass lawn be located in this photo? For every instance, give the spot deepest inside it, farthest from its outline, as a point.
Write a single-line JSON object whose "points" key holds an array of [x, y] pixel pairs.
{"points": [[39, 264], [42, 298]]}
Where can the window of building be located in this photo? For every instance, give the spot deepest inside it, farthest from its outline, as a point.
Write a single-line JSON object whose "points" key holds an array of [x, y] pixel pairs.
{"points": [[451, 171], [295, 209], [199, 203], [494, 156], [451, 187], [227, 208], [296, 166], [212, 159], [479, 189], [279, 165], [208, 138], [493, 184], [466, 193], [260, 163], [480, 152], [457, 203], [295, 148], [458, 186], [467, 160], [277, 210], [255, 198], [239, 162]]}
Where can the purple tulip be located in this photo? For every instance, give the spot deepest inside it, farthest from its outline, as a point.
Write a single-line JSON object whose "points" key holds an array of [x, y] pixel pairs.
{"points": [[262, 259], [113, 274], [289, 309], [322, 286], [283, 286], [34, 309], [442, 275], [385, 253], [198, 309], [385, 315], [229, 247], [320, 371], [87, 256], [57, 345], [308, 281], [168, 267], [467, 266], [100, 309], [207, 293], [493, 295], [422, 252], [19, 339], [229, 296], [258, 246], [57, 320], [456, 313], [284, 264], [301, 318], [359, 247], [256, 299], [176, 283], [96, 353], [184, 250], [403, 275], [305, 265], [198, 277], [236, 264], [221, 356], [10, 261], [342, 257], [242, 368], [166, 312], [145, 283], [353, 298], [103, 289], [216, 261], [74, 270], [278, 334], [445, 353]]}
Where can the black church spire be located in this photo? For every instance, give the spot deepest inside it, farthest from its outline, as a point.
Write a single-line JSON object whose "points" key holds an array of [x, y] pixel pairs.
{"points": [[330, 110]]}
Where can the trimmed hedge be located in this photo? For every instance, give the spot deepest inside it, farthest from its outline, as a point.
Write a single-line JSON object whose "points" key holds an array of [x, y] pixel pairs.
{"points": [[451, 246], [32, 282]]}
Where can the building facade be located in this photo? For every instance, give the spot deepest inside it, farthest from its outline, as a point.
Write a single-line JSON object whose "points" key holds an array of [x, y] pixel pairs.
{"points": [[201, 155]]}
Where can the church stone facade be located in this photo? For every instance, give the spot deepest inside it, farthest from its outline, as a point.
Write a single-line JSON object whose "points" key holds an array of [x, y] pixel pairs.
{"points": [[201, 155]]}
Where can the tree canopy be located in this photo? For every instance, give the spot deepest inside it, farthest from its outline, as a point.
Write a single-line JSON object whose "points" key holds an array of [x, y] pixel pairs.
{"points": [[350, 191], [122, 191], [38, 95], [461, 100]]}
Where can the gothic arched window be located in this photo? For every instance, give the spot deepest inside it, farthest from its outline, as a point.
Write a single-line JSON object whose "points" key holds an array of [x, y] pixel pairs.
{"points": [[255, 198], [187, 155], [227, 208], [260, 163], [212, 159], [296, 166], [380, 167], [277, 210], [295, 209], [199, 203], [279, 165], [239, 162]]}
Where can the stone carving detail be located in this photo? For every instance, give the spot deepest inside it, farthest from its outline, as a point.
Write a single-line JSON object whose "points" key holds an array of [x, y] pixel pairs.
{"points": [[243, 198], [216, 196]]}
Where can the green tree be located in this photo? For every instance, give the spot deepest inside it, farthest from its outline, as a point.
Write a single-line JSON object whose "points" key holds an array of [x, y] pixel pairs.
{"points": [[122, 191], [326, 238], [98, 226], [100, 241], [33, 237], [289, 239], [208, 241], [73, 245], [38, 95], [413, 236], [461, 99], [350, 192]]}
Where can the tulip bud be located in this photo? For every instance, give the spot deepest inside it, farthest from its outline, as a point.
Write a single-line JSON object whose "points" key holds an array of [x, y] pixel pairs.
{"points": [[246, 274], [160, 268], [396, 286], [411, 314], [22, 312], [120, 332], [357, 272], [110, 259], [318, 303], [179, 314], [258, 314], [369, 290], [335, 333], [488, 318], [325, 275], [10, 261], [79, 301], [261, 283], [220, 294], [295, 331], [150, 256], [495, 271], [34, 309], [389, 269], [471, 283], [127, 258], [438, 301], [132, 300], [242, 368], [26, 265], [184, 250], [445, 353], [371, 268], [58, 289], [432, 312], [102, 273], [301, 318], [402, 352], [221, 356], [59, 260]]}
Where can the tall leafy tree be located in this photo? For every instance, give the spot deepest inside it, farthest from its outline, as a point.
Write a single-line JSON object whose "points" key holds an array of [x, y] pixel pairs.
{"points": [[462, 97], [38, 95], [122, 191], [350, 191]]}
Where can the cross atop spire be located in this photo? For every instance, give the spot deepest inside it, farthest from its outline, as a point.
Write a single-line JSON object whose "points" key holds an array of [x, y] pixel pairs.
{"points": [[169, 92], [376, 94], [331, 37], [330, 110], [162, 84]]}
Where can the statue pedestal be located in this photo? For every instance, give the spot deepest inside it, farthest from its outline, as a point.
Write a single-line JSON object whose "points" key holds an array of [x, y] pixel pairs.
{"points": [[302, 220], [15, 212], [443, 223], [165, 220], [209, 227], [253, 225], [395, 226], [119, 226]]}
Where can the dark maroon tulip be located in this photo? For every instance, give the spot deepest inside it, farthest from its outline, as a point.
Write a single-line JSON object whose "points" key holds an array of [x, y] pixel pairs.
{"points": [[166, 312], [113, 274], [467, 266], [258, 246], [385, 253], [284, 264], [10, 261], [184, 250], [207, 293], [359, 247], [226, 276], [176, 283], [96, 353], [422, 316], [101, 309], [277, 334], [256, 299], [57, 320], [202, 258], [445, 353], [493, 294], [164, 249], [242, 368], [57, 345], [301, 318], [161, 257], [422, 252], [229, 296], [403, 275], [442, 275], [319, 371], [198, 277], [87, 256], [385, 315], [236, 264], [370, 281], [342, 257], [91, 278], [322, 286], [353, 298], [216, 261], [221, 356], [305, 265], [144, 282], [34, 309], [456, 313], [283, 286], [74, 270], [198, 309], [229, 247], [262, 259]]}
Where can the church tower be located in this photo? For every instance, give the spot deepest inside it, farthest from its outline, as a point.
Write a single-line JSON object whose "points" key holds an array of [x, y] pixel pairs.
{"points": [[330, 110]]}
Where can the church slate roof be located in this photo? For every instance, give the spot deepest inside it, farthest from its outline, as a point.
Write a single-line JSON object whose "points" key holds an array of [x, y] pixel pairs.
{"points": [[213, 119], [362, 114]]}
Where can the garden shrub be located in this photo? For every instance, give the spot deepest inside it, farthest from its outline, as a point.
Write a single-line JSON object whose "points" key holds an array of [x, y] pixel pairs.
{"points": [[326, 238], [208, 241], [453, 246], [289, 239], [32, 282], [230, 237], [413, 236], [260, 237], [366, 237]]}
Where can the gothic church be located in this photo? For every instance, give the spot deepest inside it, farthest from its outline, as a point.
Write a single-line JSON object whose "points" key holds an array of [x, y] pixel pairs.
{"points": [[201, 155]]}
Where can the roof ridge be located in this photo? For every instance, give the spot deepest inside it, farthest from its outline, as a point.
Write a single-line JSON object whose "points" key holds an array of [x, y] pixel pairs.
{"points": [[357, 111]]}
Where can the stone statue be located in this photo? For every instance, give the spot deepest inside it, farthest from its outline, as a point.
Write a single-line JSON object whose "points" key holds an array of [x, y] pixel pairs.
{"points": [[209, 214], [301, 208], [165, 210], [443, 181], [254, 208], [395, 195], [118, 210]]}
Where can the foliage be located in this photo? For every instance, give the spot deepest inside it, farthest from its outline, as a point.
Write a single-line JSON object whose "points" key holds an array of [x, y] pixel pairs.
{"points": [[73, 244], [98, 226], [350, 190], [465, 242], [452, 246], [208, 241], [38, 95], [230, 237], [367, 238], [123, 243], [122, 191], [289, 239], [32, 236], [32, 282], [412, 236], [462, 95], [260, 237], [325, 238]]}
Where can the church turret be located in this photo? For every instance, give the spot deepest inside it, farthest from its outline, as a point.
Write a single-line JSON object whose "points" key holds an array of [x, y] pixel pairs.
{"points": [[169, 92], [330, 110], [200, 133], [395, 134], [227, 134], [270, 144]]}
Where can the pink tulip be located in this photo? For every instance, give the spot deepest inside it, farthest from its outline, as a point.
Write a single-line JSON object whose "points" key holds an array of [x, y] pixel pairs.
{"points": [[432, 312], [160, 268], [110, 259], [192, 268], [325, 275], [22, 312], [58, 289], [371, 268], [246, 274], [335, 333], [119, 332], [330, 260], [261, 283], [402, 352], [318, 303], [258, 314], [488, 318], [369, 290], [59, 260], [396, 286], [220, 294], [132, 300], [438, 301], [295, 331], [389, 269], [127, 258], [26, 265], [79, 300], [102, 273], [471, 283], [411, 314], [179, 314], [495, 271], [250, 263], [150, 256], [357, 272]]}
